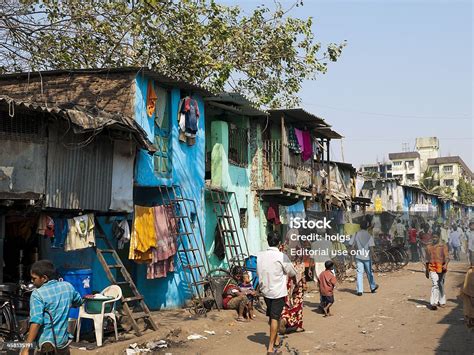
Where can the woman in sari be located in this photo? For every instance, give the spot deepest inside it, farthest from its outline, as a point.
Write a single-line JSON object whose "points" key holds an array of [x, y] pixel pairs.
{"points": [[292, 316]]}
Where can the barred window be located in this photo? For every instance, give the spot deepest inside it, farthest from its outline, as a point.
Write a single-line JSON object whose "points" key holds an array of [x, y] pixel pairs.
{"points": [[238, 147]]}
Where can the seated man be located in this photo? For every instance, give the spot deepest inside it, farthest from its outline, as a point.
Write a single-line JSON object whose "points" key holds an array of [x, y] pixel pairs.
{"points": [[50, 303], [234, 298]]}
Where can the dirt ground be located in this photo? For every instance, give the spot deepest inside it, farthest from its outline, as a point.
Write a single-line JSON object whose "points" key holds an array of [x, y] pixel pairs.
{"points": [[395, 320]]}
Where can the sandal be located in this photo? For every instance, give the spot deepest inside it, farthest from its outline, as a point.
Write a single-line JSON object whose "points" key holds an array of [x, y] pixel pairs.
{"points": [[241, 319]]}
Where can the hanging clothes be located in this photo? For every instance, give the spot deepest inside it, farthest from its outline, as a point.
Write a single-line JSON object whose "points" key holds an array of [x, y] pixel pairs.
{"points": [[121, 231], [165, 250], [293, 144], [189, 110], [45, 226], [307, 151], [61, 229], [162, 96], [273, 213], [81, 233], [150, 99], [143, 237], [299, 138]]}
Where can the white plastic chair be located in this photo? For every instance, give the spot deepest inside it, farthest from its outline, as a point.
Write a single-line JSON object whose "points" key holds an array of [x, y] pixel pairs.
{"points": [[111, 291]]}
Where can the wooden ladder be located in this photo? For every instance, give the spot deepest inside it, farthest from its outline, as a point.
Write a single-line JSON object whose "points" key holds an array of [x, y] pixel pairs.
{"points": [[131, 297]]}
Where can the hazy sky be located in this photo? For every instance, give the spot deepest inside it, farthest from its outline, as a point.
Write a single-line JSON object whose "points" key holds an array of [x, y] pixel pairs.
{"points": [[406, 72]]}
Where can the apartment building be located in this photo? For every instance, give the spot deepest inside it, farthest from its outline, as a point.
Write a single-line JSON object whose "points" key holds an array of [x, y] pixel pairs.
{"points": [[384, 170], [406, 167], [449, 170]]}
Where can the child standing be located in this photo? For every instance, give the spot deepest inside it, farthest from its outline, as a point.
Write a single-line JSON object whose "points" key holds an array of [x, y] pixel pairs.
{"points": [[247, 288], [327, 282]]}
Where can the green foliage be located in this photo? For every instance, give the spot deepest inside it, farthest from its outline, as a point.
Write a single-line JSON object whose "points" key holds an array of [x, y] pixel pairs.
{"points": [[465, 192], [265, 55]]}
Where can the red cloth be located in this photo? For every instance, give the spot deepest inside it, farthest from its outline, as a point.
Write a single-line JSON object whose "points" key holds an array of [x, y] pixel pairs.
{"points": [[227, 294], [412, 232], [327, 281], [307, 152], [187, 105], [273, 214], [426, 238]]}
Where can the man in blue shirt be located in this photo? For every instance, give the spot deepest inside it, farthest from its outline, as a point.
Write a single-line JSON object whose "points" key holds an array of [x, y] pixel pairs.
{"points": [[53, 297]]}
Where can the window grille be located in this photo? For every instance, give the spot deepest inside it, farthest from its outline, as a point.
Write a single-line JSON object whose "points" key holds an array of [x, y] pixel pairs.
{"points": [[162, 157], [23, 127], [238, 147]]}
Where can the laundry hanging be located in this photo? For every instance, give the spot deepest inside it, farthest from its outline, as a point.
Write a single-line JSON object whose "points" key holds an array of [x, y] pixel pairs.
{"points": [[150, 99], [81, 232], [165, 250], [142, 238], [61, 229], [121, 231], [273, 213], [293, 144], [45, 226], [188, 118], [307, 145]]}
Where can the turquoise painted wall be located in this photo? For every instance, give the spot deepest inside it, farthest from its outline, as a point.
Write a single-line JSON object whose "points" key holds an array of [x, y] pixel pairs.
{"points": [[234, 179], [187, 171]]}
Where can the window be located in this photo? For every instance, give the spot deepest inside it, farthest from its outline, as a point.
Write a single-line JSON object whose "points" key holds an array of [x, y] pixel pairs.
{"points": [[449, 182], [447, 169], [372, 169], [389, 167], [410, 164], [435, 169], [162, 157], [238, 146], [389, 175], [410, 177], [397, 163], [400, 177], [243, 217]]}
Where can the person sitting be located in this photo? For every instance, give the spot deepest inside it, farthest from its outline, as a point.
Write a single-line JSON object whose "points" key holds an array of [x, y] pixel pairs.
{"points": [[234, 298], [247, 288], [49, 308]]}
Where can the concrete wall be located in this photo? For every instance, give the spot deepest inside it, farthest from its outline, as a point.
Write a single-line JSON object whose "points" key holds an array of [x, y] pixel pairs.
{"points": [[187, 171]]}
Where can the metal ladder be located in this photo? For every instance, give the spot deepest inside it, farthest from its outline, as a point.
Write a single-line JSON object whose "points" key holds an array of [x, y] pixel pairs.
{"points": [[191, 247], [234, 252], [131, 297]]}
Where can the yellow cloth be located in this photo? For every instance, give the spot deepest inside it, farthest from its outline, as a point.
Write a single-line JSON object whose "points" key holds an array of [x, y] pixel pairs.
{"points": [[143, 236], [378, 205], [81, 232]]}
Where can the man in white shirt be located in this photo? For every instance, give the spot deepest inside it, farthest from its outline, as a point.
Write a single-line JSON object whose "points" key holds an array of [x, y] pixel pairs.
{"points": [[363, 244], [273, 268], [455, 242]]}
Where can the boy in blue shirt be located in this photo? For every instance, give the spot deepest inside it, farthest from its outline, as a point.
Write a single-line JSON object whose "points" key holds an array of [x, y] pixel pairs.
{"points": [[56, 298]]}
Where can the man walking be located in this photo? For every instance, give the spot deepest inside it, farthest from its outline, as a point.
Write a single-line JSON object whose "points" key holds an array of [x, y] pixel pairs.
{"points": [[436, 268], [273, 268], [363, 244], [470, 243], [412, 240], [455, 242]]}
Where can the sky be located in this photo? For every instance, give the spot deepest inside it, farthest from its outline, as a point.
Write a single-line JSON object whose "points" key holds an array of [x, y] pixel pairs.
{"points": [[406, 72]]}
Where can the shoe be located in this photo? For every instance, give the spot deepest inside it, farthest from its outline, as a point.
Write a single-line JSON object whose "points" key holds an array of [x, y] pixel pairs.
{"points": [[359, 293], [375, 289], [433, 307]]}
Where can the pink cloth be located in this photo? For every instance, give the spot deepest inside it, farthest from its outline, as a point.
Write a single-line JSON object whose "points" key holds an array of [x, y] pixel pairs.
{"points": [[307, 146], [163, 255], [299, 137]]}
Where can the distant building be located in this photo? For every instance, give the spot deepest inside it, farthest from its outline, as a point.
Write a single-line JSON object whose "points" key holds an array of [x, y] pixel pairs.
{"points": [[449, 170], [428, 147], [383, 170], [406, 167]]}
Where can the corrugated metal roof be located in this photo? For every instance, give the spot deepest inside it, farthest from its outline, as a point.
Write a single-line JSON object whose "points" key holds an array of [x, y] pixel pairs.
{"points": [[237, 103], [79, 178], [83, 119]]}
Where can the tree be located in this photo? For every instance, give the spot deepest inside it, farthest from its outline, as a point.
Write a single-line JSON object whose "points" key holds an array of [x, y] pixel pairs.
{"points": [[465, 192], [265, 55]]}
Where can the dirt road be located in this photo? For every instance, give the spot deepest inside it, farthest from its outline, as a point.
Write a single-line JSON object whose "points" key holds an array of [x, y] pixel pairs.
{"points": [[395, 320]]}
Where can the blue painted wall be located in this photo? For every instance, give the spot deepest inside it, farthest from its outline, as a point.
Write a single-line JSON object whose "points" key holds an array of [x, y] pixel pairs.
{"points": [[188, 167]]}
